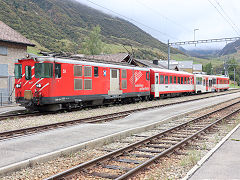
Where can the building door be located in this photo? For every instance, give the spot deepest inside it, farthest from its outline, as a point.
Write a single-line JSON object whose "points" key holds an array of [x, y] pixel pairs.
{"points": [[156, 85], [114, 80]]}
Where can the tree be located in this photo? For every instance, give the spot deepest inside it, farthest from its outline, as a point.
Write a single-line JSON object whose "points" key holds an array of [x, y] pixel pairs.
{"points": [[93, 44], [208, 68]]}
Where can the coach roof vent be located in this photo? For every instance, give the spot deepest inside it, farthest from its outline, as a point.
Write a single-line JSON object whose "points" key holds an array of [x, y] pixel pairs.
{"points": [[155, 62]]}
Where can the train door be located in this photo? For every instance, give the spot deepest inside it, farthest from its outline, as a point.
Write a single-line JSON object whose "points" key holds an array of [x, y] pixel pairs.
{"points": [[156, 85], [206, 83], [114, 81]]}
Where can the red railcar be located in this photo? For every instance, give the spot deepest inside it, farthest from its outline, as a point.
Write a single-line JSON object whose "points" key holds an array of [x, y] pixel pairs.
{"points": [[170, 82], [222, 83], [57, 83]]}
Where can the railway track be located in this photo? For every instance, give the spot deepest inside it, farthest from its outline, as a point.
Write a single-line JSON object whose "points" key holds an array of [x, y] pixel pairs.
{"points": [[96, 119], [128, 161], [23, 113]]}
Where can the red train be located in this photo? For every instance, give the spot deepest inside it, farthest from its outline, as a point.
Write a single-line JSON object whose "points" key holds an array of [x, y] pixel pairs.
{"points": [[48, 83]]}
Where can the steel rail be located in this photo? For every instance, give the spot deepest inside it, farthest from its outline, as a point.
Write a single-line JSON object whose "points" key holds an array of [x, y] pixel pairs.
{"points": [[27, 114], [121, 151], [31, 130]]}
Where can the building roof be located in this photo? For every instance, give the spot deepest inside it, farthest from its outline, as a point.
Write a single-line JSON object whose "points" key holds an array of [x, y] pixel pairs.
{"points": [[149, 63], [197, 67], [7, 34], [185, 64], [120, 57], [173, 64]]}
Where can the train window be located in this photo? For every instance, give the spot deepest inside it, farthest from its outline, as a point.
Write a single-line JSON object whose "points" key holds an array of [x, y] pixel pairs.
{"points": [[204, 82], [78, 84], [87, 71], [124, 84], [214, 81], [147, 75], [166, 79], [95, 71], [170, 79], [18, 71], [87, 84], [124, 73], [161, 79], [156, 79], [178, 80], [57, 70], [175, 80], [181, 80], [28, 72], [43, 70], [114, 73], [185, 80], [188, 80], [77, 70]]}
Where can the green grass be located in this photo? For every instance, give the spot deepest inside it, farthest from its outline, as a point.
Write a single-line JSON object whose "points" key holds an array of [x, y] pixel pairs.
{"points": [[232, 86]]}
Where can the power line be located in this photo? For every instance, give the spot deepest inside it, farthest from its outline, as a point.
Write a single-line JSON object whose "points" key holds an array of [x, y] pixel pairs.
{"points": [[165, 34], [224, 17], [227, 15], [165, 17]]}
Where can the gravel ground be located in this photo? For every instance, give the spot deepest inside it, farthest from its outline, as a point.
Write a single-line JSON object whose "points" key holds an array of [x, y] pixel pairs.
{"points": [[176, 166], [173, 167], [20, 123]]}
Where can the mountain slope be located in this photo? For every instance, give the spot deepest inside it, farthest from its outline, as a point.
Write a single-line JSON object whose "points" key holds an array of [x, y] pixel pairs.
{"points": [[230, 48], [63, 25]]}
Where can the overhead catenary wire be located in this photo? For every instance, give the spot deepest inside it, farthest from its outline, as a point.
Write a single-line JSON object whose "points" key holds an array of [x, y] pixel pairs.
{"points": [[130, 19], [224, 18], [165, 17], [227, 15]]}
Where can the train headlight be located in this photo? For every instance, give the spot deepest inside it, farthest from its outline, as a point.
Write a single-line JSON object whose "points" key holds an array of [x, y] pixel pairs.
{"points": [[18, 85], [38, 85]]}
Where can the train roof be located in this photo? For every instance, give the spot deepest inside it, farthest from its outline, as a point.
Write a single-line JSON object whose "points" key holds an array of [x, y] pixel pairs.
{"points": [[85, 61], [171, 71]]}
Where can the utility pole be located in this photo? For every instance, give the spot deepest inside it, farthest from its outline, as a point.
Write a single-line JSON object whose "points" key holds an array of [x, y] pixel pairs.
{"points": [[194, 34], [168, 55], [234, 77]]}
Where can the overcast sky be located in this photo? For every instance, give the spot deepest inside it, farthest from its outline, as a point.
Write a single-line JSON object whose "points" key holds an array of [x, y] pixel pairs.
{"points": [[177, 19]]}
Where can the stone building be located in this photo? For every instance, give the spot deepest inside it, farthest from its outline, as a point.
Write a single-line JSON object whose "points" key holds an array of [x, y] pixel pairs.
{"points": [[12, 46]]}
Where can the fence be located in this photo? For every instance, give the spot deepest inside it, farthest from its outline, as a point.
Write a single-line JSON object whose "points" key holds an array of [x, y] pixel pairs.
{"points": [[6, 90]]}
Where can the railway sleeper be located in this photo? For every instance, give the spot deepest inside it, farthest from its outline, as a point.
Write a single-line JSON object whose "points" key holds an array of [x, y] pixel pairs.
{"points": [[149, 150], [104, 175], [115, 167], [128, 161], [140, 155]]}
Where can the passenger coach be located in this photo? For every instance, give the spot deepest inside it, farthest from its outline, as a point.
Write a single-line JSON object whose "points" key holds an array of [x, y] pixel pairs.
{"points": [[57, 83], [170, 82]]}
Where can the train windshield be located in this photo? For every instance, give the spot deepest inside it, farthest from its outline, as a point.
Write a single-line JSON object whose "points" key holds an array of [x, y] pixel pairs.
{"points": [[43, 70], [18, 71]]}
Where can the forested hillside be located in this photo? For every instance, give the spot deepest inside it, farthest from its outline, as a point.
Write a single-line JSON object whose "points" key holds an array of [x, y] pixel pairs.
{"points": [[62, 25]]}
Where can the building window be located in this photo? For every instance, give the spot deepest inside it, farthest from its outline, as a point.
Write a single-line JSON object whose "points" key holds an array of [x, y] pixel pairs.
{"points": [[87, 71], [3, 50], [77, 71]]}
